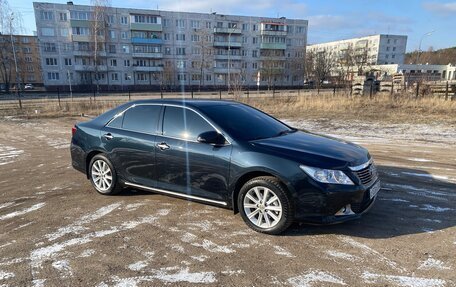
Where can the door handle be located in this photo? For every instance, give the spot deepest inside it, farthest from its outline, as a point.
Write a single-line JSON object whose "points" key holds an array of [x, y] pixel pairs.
{"points": [[108, 136], [163, 146]]}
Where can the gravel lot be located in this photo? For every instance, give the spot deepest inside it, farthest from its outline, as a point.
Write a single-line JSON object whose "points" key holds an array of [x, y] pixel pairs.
{"points": [[55, 230]]}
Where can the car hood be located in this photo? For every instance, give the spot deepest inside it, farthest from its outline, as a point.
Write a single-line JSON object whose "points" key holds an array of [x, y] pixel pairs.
{"points": [[315, 150]]}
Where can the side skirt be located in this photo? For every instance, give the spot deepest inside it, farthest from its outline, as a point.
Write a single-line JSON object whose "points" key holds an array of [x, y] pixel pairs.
{"points": [[167, 192]]}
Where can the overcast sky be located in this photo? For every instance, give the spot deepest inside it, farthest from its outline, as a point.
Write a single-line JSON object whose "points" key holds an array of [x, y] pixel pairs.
{"points": [[328, 19]]}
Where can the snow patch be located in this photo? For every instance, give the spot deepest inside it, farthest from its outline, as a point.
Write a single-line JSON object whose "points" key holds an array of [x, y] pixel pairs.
{"points": [[342, 255], [63, 266], [87, 253], [420, 159], [9, 154], [282, 251], [213, 247], [137, 266], [76, 227], [22, 212], [432, 263], [200, 258], [313, 278], [405, 281], [6, 275]]}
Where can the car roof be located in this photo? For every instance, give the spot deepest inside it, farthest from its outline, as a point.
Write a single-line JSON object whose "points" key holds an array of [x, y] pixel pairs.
{"points": [[186, 102]]}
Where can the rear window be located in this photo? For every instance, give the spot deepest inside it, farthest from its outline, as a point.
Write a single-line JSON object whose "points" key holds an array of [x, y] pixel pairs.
{"points": [[143, 118]]}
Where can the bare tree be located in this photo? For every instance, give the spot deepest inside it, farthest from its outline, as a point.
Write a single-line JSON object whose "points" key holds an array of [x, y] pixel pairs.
{"points": [[167, 78], [99, 35], [205, 58], [296, 64], [272, 66], [319, 66]]}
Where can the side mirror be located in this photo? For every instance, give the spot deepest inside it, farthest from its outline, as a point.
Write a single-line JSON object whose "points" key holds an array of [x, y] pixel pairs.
{"points": [[211, 137]]}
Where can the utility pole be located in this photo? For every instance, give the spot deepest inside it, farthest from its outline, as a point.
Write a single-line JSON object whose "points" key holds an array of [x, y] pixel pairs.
{"points": [[69, 82], [18, 94]]}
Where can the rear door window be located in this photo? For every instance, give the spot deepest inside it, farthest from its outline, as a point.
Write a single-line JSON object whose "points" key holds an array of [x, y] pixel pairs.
{"points": [[143, 119], [184, 124]]}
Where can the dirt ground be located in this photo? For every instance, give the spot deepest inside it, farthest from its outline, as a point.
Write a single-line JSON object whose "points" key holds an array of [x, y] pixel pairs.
{"points": [[55, 230]]}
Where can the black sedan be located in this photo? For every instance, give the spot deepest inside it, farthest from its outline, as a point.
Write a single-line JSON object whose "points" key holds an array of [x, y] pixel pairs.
{"points": [[226, 154]]}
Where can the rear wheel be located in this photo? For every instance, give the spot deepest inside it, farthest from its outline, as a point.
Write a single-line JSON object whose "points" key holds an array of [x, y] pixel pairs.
{"points": [[265, 205], [103, 175]]}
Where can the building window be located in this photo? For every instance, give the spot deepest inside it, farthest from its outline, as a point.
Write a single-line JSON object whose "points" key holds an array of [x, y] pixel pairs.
{"points": [[112, 49], [114, 76], [300, 30], [48, 32], [111, 19], [51, 62], [28, 59], [124, 35], [66, 47], [180, 37], [53, 76], [196, 77], [68, 62], [255, 65], [146, 19], [182, 77], [113, 63], [254, 40], [127, 63], [254, 27], [195, 38], [112, 34], [64, 32], [196, 50], [180, 23], [30, 68], [208, 77], [80, 31], [208, 25], [195, 24], [31, 78], [180, 51], [389, 41], [254, 53], [394, 49], [124, 20], [219, 24], [127, 77], [125, 49], [63, 16], [245, 27], [181, 64], [47, 15], [166, 22], [141, 77], [26, 50], [167, 51]]}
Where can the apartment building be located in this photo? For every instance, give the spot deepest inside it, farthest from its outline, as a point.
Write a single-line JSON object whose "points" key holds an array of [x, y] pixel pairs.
{"points": [[28, 60], [120, 48], [379, 49]]}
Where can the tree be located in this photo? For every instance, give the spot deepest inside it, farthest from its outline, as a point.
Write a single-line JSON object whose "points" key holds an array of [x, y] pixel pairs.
{"points": [[296, 65], [319, 66], [205, 59], [99, 35], [272, 66]]}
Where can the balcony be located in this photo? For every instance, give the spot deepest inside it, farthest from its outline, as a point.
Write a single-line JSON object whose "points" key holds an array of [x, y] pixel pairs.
{"points": [[273, 46], [230, 57], [273, 33], [148, 55], [219, 30], [226, 70], [136, 40], [228, 44], [147, 69], [85, 53], [82, 68], [146, 27]]}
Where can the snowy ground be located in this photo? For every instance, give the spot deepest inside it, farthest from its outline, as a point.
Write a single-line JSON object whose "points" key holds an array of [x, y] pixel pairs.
{"points": [[56, 231]]}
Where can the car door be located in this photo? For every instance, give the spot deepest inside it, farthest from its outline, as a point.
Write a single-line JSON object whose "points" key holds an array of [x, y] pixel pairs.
{"points": [[129, 140], [183, 164]]}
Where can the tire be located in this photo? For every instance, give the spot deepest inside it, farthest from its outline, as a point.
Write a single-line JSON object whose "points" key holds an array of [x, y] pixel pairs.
{"points": [[270, 215], [103, 176]]}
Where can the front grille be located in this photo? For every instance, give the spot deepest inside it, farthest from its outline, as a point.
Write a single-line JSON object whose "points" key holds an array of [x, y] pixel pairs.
{"points": [[367, 175]]}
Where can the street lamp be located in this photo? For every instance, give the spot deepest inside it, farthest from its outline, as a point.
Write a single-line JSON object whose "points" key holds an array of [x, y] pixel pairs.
{"points": [[15, 61], [229, 55], [419, 47]]}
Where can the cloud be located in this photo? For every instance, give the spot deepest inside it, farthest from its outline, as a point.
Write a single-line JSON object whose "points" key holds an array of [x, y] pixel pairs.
{"points": [[441, 8]]}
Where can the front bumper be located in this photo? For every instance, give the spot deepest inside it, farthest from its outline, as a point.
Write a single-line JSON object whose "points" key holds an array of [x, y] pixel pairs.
{"points": [[319, 205]]}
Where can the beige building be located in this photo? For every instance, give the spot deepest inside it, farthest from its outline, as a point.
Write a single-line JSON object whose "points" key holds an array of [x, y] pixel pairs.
{"points": [[27, 57], [378, 49]]}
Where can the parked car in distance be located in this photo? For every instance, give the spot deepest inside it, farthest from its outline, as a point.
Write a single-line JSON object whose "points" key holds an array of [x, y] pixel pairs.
{"points": [[226, 154], [29, 87]]}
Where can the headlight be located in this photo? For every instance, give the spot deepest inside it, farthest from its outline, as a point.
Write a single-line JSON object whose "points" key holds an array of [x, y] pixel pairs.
{"points": [[327, 175]]}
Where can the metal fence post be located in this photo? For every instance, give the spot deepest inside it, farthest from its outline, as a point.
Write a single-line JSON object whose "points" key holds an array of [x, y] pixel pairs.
{"points": [[220, 94], [417, 89], [129, 94], [446, 91], [248, 93]]}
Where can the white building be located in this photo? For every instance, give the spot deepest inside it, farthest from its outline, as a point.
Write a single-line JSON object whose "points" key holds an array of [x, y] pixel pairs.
{"points": [[380, 49], [436, 72]]}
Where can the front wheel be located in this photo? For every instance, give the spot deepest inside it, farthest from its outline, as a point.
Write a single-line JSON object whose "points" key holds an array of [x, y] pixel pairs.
{"points": [[103, 175], [265, 205]]}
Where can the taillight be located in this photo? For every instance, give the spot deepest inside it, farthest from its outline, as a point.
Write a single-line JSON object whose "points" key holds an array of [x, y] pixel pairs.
{"points": [[73, 130]]}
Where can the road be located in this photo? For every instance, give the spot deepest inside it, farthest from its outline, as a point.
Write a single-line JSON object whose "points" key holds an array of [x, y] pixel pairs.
{"points": [[56, 231]]}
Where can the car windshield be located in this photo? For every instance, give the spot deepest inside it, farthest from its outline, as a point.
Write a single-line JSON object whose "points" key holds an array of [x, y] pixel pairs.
{"points": [[245, 123]]}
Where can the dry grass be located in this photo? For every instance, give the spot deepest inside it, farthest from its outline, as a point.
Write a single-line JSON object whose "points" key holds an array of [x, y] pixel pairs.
{"points": [[398, 109]]}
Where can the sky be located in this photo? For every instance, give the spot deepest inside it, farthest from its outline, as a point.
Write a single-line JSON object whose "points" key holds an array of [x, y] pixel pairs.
{"points": [[329, 20]]}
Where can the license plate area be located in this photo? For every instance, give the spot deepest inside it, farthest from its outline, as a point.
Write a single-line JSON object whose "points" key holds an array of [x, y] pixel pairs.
{"points": [[374, 190]]}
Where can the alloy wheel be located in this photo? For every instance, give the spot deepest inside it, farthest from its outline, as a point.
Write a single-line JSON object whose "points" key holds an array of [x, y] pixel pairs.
{"points": [[101, 175], [262, 207]]}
